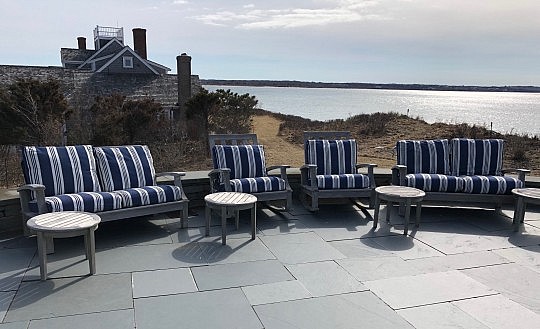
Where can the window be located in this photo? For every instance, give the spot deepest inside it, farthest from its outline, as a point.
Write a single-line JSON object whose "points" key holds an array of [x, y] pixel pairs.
{"points": [[128, 62]]}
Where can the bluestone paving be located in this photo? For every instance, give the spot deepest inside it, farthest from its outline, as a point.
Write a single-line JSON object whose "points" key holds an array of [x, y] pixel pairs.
{"points": [[524, 287], [440, 316], [6, 297], [527, 256], [13, 265], [375, 268], [325, 278], [163, 282], [355, 310], [71, 296], [300, 248], [457, 261], [15, 325], [430, 288], [239, 274], [406, 247], [267, 293], [225, 308], [499, 312], [327, 269], [122, 319]]}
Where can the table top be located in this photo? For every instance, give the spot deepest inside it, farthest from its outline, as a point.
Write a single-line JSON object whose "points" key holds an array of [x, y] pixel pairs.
{"points": [[528, 192], [230, 198], [400, 191], [63, 221]]}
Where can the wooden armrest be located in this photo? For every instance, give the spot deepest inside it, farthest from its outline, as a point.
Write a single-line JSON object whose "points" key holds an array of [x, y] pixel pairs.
{"points": [[283, 171], [31, 192], [520, 172], [218, 176], [398, 174], [175, 174]]}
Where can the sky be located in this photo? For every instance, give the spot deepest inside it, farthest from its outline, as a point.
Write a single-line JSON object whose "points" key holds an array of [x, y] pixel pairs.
{"points": [[455, 42]]}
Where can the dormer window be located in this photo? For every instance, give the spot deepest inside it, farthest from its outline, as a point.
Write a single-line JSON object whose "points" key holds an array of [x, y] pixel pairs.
{"points": [[128, 62]]}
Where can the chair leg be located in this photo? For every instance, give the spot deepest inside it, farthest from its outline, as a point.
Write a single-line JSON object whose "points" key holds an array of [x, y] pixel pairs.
{"points": [[315, 201]]}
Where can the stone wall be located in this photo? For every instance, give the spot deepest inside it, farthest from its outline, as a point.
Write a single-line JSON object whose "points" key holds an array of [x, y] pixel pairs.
{"points": [[81, 87]]}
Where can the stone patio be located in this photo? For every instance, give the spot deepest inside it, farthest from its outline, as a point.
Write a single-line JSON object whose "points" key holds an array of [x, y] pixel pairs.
{"points": [[462, 268]]}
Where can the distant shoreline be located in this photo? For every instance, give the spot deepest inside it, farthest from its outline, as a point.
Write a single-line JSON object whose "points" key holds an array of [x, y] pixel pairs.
{"points": [[361, 85]]}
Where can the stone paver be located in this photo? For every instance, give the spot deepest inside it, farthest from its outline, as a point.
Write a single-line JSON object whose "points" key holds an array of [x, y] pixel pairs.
{"points": [[325, 278], [275, 292], [430, 288], [225, 308], [300, 248], [361, 309], [163, 282], [461, 268]]}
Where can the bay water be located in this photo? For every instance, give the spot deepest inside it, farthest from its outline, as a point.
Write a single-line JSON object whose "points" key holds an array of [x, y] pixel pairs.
{"points": [[504, 112]]}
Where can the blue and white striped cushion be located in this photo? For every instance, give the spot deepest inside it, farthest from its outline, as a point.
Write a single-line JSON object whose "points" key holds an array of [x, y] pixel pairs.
{"points": [[343, 181], [124, 167], [257, 184], [491, 184], [435, 182], [83, 201], [244, 161], [476, 156], [424, 156], [332, 157], [67, 169], [148, 195]]}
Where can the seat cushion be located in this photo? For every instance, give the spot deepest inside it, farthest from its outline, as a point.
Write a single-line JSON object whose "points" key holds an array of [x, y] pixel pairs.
{"points": [[83, 201], [476, 156], [344, 181], [332, 157], [258, 184], [491, 184], [148, 195], [244, 161], [124, 167], [63, 170], [424, 156], [435, 182]]}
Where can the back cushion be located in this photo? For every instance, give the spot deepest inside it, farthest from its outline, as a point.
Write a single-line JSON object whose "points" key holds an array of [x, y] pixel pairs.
{"points": [[66, 169], [332, 157], [123, 167], [477, 156], [244, 161], [424, 156]]}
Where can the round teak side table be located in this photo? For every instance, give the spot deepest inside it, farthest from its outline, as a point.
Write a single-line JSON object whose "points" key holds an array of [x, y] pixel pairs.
{"points": [[229, 203], [407, 195], [524, 196], [64, 225]]}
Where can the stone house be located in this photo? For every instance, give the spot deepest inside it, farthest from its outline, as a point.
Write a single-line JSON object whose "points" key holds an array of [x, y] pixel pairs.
{"points": [[113, 67]]}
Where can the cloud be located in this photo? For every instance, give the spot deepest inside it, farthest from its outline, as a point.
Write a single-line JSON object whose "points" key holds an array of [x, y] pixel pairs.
{"points": [[335, 12], [180, 2]]}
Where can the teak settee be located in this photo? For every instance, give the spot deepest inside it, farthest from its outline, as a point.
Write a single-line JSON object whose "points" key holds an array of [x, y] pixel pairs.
{"points": [[460, 171], [113, 182]]}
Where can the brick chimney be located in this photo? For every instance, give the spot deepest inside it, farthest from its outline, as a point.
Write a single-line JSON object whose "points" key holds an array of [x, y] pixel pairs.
{"points": [[81, 41], [183, 64], [139, 41]]}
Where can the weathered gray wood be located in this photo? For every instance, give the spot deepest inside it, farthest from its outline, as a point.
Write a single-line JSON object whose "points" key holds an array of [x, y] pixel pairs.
{"points": [[308, 172], [222, 175], [523, 197], [400, 194], [62, 225], [490, 201], [36, 192], [230, 203]]}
